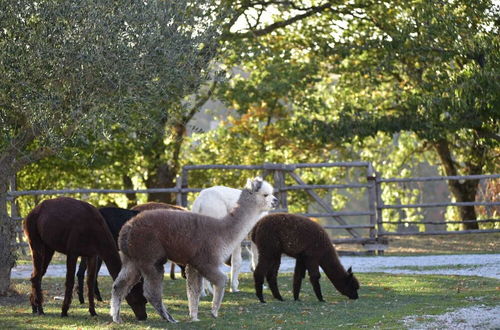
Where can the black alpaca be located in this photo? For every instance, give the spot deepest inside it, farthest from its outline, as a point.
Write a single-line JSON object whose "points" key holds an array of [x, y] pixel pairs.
{"points": [[307, 242], [115, 219]]}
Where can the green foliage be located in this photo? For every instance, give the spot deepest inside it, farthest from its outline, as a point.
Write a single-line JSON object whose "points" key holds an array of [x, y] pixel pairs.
{"points": [[427, 68], [378, 81], [73, 72]]}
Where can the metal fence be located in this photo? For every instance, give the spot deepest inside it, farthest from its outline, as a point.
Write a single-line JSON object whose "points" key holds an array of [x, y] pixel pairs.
{"points": [[372, 233]]}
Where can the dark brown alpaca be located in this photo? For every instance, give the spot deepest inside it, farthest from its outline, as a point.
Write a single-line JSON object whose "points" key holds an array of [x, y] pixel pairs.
{"points": [[74, 228], [200, 242], [307, 242]]}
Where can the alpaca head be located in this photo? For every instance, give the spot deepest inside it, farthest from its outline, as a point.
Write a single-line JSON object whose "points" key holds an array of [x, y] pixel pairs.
{"points": [[260, 193], [349, 285]]}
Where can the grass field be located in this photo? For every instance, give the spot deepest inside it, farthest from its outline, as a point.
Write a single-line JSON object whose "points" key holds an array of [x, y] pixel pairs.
{"points": [[384, 301]]}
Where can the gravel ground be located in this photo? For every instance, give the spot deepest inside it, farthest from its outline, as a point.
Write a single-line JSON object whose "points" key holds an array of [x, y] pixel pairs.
{"points": [[475, 317], [471, 318], [486, 265]]}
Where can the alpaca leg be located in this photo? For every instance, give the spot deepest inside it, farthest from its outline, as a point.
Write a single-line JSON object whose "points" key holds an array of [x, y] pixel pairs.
{"points": [[91, 282], [193, 287], [153, 288], [259, 274], [172, 270], [298, 274], [80, 275], [70, 282], [218, 279], [235, 268], [96, 291], [272, 279], [314, 276], [41, 256], [206, 288], [128, 276], [254, 256], [47, 257]]}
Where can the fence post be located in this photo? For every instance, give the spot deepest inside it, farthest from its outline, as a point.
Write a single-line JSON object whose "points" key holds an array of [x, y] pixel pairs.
{"points": [[279, 181], [178, 186], [183, 184], [372, 197], [379, 204]]}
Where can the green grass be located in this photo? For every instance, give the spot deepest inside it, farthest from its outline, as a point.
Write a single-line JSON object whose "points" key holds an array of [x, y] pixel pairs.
{"points": [[384, 300]]}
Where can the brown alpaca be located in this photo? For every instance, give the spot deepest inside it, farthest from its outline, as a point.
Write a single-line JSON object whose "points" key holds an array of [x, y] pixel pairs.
{"points": [[200, 242], [115, 218], [74, 228], [307, 242], [155, 206]]}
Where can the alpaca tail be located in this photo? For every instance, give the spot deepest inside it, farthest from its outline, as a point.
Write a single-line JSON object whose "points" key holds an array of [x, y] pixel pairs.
{"points": [[30, 227], [123, 239], [252, 233]]}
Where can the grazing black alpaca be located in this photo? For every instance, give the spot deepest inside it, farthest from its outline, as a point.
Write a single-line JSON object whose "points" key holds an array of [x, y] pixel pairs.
{"points": [[115, 219], [308, 242]]}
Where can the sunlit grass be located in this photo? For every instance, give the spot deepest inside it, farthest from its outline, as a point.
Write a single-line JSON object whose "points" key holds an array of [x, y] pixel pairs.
{"points": [[384, 300]]}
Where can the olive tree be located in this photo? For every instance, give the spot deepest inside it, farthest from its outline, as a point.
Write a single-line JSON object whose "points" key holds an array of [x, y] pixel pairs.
{"points": [[73, 70]]}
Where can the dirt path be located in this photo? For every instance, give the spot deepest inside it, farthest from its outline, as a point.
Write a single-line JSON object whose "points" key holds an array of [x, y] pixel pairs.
{"points": [[486, 265]]}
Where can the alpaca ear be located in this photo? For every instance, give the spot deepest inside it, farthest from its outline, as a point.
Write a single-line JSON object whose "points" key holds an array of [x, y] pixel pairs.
{"points": [[349, 271], [249, 184], [254, 185], [257, 184]]}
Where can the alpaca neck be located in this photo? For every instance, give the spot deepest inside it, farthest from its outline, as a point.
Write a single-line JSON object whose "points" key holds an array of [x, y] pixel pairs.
{"points": [[332, 267], [238, 223]]}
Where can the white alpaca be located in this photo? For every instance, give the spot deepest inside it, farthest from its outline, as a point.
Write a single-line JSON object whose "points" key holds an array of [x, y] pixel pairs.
{"points": [[217, 202]]}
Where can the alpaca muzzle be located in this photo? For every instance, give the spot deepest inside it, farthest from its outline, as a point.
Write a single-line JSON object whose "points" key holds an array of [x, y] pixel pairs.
{"points": [[354, 296], [275, 203]]}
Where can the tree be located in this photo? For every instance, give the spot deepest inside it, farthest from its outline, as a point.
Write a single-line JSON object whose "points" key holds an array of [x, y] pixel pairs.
{"points": [[71, 71], [427, 68], [421, 68]]}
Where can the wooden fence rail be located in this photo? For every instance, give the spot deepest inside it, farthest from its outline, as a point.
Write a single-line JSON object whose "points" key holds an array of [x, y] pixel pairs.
{"points": [[376, 237]]}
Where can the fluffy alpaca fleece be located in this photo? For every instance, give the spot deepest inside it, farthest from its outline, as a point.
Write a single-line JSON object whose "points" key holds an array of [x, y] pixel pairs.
{"points": [[201, 243], [74, 228], [158, 205], [217, 202], [305, 240]]}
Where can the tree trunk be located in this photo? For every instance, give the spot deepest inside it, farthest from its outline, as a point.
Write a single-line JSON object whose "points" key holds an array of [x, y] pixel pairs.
{"points": [[129, 185], [7, 256], [164, 172], [463, 192]]}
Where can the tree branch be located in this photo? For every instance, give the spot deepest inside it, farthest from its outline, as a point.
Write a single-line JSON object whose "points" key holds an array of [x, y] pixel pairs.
{"points": [[277, 25], [200, 102]]}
